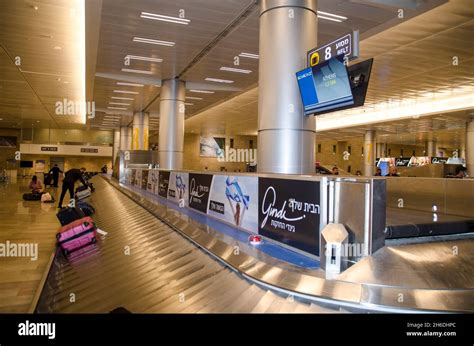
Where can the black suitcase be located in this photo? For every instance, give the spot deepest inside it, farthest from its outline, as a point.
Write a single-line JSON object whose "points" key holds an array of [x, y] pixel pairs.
{"points": [[68, 215], [86, 208], [32, 197], [47, 179]]}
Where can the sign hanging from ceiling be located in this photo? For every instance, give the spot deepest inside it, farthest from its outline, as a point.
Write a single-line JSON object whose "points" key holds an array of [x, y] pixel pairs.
{"points": [[347, 45]]}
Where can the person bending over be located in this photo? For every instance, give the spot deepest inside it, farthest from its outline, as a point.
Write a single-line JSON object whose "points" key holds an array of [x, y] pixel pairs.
{"points": [[70, 179], [55, 174], [35, 185]]}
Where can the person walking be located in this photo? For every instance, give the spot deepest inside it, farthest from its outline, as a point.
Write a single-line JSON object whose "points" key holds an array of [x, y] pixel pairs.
{"points": [[55, 174]]}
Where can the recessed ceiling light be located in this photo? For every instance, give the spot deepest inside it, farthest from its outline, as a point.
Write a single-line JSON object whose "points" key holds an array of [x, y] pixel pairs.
{"points": [[57, 48], [217, 80], [37, 121], [122, 98], [66, 82], [126, 92], [118, 108], [143, 58], [1, 119], [327, 14], [201, 91], [151, 41], [249, 55], [237, 70], [119, 103], [193, 98], [136, 71], [163, 18], [130, 84]]}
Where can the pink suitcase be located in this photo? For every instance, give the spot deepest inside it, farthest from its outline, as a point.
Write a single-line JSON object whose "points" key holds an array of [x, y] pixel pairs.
{"points": [[78, 236]]}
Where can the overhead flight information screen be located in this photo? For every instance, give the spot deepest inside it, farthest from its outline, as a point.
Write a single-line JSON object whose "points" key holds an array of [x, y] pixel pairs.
{"points": [[325, 86]]}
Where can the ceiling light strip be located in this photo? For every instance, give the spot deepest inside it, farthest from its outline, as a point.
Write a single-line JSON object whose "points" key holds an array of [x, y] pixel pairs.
{"points": [[163, 18], [130, 84], [152, 41], [217, 80], [136, 71], [143, 58], [126, 92], [236, 70], [249, 55], [201, 91]]}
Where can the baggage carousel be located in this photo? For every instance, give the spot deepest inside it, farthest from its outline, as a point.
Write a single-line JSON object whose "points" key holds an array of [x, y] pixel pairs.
{"points": [[153, 259]]}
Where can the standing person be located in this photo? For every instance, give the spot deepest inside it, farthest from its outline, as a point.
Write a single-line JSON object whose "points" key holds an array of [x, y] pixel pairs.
{"points": [[104, 169], [55, 174], [70, 179]]}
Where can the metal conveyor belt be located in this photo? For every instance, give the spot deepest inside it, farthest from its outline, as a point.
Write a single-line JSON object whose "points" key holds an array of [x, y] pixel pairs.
{"points": [[163, 271]]}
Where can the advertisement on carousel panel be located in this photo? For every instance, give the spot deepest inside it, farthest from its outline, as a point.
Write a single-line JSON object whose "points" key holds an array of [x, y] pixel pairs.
{"points": [[199, 190], [138, 178], [234, 199], [289, 212], [152, 185], [178, 188], [144, 179], [164, 180]]}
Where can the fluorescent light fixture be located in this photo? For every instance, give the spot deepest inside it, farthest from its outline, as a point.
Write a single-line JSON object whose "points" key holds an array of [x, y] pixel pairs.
{"points": [[237, 70], [136, 71], [163, 18], [122, 98], [130, 84], [331, 15], [119, 103], [329, 18], [193, 98], [143, 58], [201, 91], [217, 80], [126, 92], [151, 41], [249, 55], [189, 104], [117, 108]]}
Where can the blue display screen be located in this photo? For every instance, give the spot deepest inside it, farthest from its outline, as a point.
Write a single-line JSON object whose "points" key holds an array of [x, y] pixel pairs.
{"points": [[325, 86]]}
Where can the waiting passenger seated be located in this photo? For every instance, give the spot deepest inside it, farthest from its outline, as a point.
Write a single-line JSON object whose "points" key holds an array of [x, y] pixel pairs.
{"points": [[378, 172], [393, 172], [35, 185], [335, 170], [461, 172]]}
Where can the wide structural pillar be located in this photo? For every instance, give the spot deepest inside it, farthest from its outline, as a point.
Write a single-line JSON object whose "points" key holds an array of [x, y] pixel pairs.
{"points": [[171, 134], [140, 131], [369, 153], [470, 148], [430, 148], [125, 138], [286, 137]]}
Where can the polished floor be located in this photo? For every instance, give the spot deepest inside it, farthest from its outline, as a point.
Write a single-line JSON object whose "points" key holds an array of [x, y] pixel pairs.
{"points": [[24, 222]]}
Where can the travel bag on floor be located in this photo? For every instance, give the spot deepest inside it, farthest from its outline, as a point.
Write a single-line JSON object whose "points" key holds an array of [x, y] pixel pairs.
{"points": [[68, 215], [77, 235], [82, 192], [32, 197]]}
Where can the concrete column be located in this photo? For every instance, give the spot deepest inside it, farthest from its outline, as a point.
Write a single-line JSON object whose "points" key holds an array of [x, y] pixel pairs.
{"points": [[125, 138], [171, 133], [116, 146], [369, 153], [140, 131], [288, 29], [430, 148], [470, 148]]}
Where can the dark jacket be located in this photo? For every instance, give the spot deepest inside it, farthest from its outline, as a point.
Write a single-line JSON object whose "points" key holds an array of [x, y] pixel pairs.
{"points": [[55, 171], [74, 175]]}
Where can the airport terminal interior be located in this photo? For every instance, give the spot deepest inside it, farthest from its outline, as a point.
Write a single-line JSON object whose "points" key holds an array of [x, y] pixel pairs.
{"points": [[237, 156]]}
